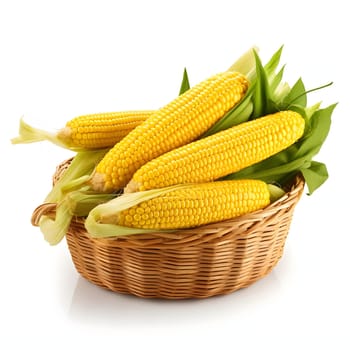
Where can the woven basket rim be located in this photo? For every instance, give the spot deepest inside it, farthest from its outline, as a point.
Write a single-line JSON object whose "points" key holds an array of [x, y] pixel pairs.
{"points": [[190, 236]]}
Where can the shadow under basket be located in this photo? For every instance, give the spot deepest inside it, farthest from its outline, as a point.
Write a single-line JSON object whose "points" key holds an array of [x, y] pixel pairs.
{"points": [[202, 262]]}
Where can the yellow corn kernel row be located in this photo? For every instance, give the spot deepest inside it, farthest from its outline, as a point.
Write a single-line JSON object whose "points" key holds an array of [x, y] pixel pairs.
{"points": [[221, 154], [195, 205], [178, 123], [101, 130]]}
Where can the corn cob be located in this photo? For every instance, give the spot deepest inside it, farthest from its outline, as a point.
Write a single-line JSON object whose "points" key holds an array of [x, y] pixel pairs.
{"points": [[103, 129], [180, 122], [91, 131], [221, 154], [194, 205]]}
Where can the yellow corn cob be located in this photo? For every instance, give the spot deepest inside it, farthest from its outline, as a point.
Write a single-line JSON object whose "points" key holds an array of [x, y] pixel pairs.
{"points": [[91, 131], [102, 129], [221, 154], [180, 122], [195, 205]]}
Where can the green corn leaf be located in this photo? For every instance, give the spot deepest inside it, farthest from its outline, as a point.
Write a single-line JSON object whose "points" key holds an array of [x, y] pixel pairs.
{"points": [[273, 63], [55, 229], [306, 112], [82, 202], [315, 175], [185, 84], [75, 177], [273, 169], [82, 164], [262, 95], [320, 123], [278, 88], [309, 111], [276, 80], [75, 203], [296, 96]]}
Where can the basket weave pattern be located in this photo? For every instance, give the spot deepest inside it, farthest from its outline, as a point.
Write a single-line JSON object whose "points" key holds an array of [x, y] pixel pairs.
{"points": [[194, 263]]}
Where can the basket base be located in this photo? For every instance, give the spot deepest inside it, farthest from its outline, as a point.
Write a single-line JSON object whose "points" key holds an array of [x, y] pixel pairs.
{"points": [[196, 272]]}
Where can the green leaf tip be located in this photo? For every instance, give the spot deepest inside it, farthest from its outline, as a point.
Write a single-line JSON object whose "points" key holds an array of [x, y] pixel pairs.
{"points": [[262, 95], [185, 84]]}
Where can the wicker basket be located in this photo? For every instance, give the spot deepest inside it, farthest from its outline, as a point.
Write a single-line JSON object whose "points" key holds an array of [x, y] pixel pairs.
{"points": [[194, 263]]}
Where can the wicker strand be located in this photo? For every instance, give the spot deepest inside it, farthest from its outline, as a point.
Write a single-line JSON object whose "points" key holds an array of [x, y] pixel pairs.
{"points": [[47, 209]]}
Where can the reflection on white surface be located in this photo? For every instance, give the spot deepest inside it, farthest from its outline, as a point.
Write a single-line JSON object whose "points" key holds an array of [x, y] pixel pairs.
{"points": [[91, 303]]}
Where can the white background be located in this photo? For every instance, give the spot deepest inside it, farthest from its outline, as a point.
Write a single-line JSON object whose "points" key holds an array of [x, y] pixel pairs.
{"points": [[60, 59]]}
